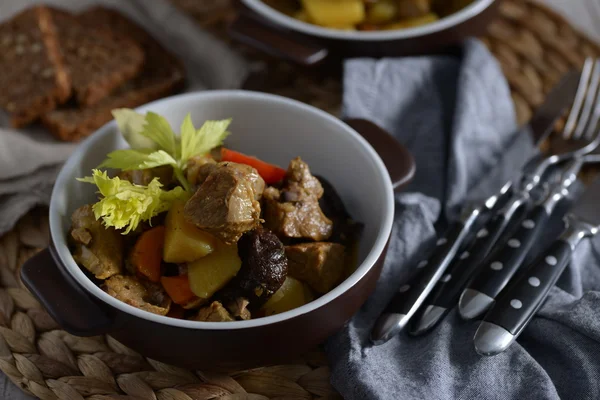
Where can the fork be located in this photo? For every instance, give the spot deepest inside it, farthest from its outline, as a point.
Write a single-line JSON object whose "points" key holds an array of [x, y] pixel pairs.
{"points": [[448, 290], [579, 137], [410, 296]]}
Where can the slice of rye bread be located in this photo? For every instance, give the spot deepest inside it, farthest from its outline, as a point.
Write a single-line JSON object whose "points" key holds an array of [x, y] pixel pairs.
{"points": [[99, 61], [162, 75], [34, 77]]}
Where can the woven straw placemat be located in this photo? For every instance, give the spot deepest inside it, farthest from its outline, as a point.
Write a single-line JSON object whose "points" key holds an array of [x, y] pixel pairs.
{"points": [[534, 47]]}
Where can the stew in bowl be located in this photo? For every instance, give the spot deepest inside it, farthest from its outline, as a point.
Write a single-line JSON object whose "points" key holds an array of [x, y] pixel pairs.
{"points": [[297, 315], [190, 229]]}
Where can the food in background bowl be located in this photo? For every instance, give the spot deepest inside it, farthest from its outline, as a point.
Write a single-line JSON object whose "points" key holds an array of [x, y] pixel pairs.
{"points": [[190, 229], [368, 15]]}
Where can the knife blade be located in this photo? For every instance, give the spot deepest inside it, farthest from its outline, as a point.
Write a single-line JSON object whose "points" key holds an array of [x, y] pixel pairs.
{"points": [[508, 256], [411, 296], [523, 298], [556, 101]]}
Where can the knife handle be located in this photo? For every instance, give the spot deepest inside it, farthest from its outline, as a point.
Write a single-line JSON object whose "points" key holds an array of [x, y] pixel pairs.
{"points": [[506, 258], [448, 289], [411, 295], [523, 297], [521, 300]]}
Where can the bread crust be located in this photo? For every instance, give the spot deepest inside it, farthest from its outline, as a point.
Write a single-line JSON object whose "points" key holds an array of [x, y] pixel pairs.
{"points": [[36, 79], [161, 75]]}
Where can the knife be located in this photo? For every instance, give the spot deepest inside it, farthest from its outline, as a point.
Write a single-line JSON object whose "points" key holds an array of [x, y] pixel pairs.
{"points": [[411, 296], [521, 300], [508, 256], [447, 291]]}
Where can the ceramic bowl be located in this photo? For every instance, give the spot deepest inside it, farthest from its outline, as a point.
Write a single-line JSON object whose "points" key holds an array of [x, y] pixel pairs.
{"points": [[263, 27], [275, 129]]}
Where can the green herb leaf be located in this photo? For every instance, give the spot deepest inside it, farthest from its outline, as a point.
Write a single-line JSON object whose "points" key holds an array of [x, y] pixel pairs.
{"points": [[129, 159], [124, 205], [202, 141], [131, 124], [187, 135], [157, 129]]}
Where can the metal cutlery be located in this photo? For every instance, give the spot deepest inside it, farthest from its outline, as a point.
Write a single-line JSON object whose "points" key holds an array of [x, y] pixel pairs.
{"points": [[493, 243], [579, 138], [521, 300], [410, 297], [448, 290], [507, 257]]}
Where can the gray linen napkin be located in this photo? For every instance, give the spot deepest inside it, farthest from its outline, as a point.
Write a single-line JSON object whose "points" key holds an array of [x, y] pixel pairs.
{"points": [[455, 114], [30, 159]]}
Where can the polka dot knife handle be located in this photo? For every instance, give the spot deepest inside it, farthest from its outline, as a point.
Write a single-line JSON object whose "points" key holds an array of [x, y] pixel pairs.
{"points": [[410, 296], [467, 263], [447, 291], [519, 302], [501, 264], [523, 297]]}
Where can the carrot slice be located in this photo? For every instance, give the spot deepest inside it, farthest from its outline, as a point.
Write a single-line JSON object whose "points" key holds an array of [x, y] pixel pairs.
{"points": [[146, 256], [269, 172], [178, 288]]}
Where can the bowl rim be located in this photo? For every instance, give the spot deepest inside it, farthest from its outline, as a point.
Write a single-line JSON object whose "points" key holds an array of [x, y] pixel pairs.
{"points": [[465, 14], [68, 263]]}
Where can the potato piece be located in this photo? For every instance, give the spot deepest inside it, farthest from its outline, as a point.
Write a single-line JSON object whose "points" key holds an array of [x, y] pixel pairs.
{"points": [[183, 241], [211, 273], [382, 12], [292, 294], [413, 22], [309, 294], [335, 13]]}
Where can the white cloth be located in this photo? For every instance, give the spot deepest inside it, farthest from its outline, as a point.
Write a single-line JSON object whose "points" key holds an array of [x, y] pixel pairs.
{"points": [[31, 158]]}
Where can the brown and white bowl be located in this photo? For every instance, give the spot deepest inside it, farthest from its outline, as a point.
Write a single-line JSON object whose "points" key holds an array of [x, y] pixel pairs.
{"points": [[275, 129], [263, 27]]}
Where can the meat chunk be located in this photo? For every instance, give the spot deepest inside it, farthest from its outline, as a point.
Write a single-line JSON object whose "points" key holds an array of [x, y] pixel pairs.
{"points": [[299, 179], [97, 248], [321, 265], [145, 176], [215, 312], [239, 308], [346, 231], [226, 203], [143, 295], [198, 169], [294, 210]]}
